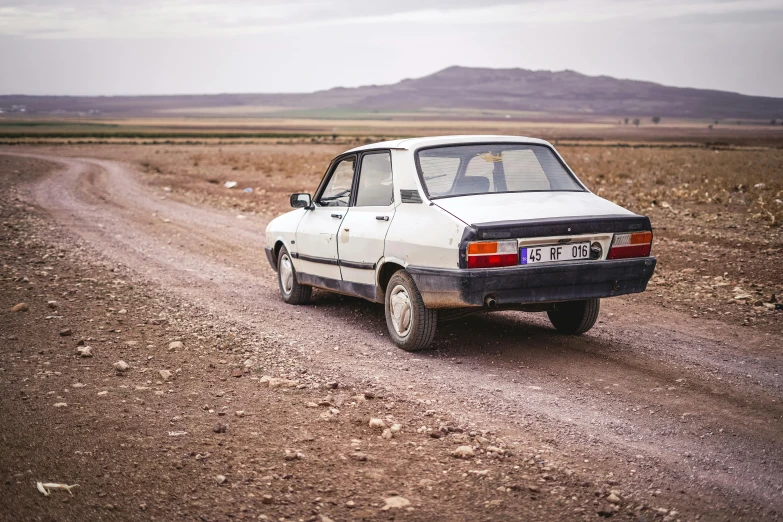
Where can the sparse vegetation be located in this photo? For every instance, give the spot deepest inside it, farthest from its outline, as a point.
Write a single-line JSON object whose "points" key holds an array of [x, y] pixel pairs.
{"points": [[656, 119]]}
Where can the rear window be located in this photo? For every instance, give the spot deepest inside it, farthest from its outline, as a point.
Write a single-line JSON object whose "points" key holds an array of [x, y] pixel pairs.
{"points": [[492, 168]]}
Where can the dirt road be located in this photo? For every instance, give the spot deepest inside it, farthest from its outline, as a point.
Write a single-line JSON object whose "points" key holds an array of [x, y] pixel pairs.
{"points": [[679, 414]]}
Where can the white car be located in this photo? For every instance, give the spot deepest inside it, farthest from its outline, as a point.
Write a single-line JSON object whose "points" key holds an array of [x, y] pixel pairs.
{"points": [[443, 226]]}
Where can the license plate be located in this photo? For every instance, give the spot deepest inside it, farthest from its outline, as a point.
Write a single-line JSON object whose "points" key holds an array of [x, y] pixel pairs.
{"points": [[553, 253]]}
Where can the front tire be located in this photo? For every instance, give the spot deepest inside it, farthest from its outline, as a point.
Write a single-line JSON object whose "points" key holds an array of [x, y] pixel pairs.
{"points": [[575, 317], [411, 325], [290, 290]]}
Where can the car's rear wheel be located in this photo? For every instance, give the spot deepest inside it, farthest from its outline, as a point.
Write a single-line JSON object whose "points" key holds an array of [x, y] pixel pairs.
{"points": [[290, 290], [575, 317], [411, 325]]}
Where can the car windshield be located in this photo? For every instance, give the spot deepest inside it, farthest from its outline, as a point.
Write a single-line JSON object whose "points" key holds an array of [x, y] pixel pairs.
{"points": [[492, 168]]}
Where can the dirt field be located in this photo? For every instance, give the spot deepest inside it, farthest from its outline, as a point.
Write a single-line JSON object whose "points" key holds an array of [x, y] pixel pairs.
{"points": [[670, 409]]}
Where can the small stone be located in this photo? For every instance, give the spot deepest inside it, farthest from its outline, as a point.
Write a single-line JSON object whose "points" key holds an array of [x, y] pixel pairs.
{"points": [[281, 383], [607, 510], [78, 385], [103, 393], [333, 385], [236, 372], [220, 479], [377, 423], [65, 332], [311, 404], [60, 404], [266, 499], [165, 375], [239, 413], [52, 305], [395, 502], [84, 351], [293, 455], [387, 434], [534, 489], [220, 427], [121, 366], [396, 428], [350, 504], [463, 452], [613, 499], [361, 457], [176, 345], [21, 307]]}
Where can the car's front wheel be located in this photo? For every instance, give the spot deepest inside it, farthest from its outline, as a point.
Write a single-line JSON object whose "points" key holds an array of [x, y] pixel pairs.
{"points": [[290, 290], [411, 325], [575, 317]]}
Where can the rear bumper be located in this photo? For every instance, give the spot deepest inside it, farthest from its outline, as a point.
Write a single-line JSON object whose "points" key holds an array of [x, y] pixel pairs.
{"points": [[455, 288], [270, 255]]}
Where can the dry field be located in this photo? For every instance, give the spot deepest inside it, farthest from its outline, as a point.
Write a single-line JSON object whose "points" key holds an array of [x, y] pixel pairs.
{"points": [[669, 410], [346, 126]]}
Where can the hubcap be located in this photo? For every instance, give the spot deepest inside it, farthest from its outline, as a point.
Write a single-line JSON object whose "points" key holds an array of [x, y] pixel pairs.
{"points": [[286, 274], [401, 310]]}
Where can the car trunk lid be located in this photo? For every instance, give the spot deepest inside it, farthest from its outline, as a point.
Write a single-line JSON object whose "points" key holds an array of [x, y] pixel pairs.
{"points": [[486, 208]]}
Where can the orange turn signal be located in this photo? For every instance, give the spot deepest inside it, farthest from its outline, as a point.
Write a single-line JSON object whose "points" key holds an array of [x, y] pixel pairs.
{"points": [[640, 238], [484, 247]]}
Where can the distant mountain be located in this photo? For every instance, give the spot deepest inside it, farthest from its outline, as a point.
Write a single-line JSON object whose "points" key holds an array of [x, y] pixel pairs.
{"points": [[561, 93]]}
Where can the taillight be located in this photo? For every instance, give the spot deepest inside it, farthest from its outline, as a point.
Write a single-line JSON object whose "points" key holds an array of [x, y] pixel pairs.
{"points": [[493, 254], [624, 246]]}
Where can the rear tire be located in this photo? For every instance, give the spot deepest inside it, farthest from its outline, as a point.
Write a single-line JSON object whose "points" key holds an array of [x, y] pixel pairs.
{"points": [[290, 290], [575, 317], [411, 325]]}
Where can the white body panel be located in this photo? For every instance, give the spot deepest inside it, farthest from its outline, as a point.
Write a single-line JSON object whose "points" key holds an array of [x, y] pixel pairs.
{"points": [[316, 236], [361, 240], [485, 208]]}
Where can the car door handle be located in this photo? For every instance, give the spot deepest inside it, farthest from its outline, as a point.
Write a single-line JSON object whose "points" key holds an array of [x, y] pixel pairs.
{"points": [[382, 218], [338, 216]]}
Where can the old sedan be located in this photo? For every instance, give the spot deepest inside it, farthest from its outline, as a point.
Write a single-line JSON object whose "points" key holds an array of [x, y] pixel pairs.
{"points": [[442, 226]]}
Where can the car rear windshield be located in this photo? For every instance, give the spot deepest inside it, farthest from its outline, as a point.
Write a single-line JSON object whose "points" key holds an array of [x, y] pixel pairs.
{"points": [[492, 168]]}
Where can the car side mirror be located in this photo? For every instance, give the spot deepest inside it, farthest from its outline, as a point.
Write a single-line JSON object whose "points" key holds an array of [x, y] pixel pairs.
{"points": [[301, 201]]}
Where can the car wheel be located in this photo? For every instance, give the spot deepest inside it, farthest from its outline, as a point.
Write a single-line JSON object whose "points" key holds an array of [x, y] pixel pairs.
{"points": [[290, 290], [575, 317], [411, 325]]}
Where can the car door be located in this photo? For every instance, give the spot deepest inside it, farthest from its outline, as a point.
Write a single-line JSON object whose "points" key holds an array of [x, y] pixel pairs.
{"points": [[316, 235], [363, 230]]}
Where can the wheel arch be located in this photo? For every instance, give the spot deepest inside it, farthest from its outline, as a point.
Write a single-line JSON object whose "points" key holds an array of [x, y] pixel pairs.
{"points": [[276, 248], [386, 270]]}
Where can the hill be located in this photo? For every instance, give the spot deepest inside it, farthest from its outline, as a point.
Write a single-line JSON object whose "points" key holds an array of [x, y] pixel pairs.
{"points": [[562, 93]]}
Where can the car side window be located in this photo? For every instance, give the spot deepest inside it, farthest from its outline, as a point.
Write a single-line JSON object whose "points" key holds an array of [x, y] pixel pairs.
{"points": [[375, 181], [338, 190]]}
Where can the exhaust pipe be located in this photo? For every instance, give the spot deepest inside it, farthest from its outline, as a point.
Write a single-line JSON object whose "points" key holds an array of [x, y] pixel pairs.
{"points": [[490, 302]]}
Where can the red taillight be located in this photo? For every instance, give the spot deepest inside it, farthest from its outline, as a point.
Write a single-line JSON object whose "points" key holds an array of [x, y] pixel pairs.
{"points": [[493, 260], [625, 246], [493, 254]]}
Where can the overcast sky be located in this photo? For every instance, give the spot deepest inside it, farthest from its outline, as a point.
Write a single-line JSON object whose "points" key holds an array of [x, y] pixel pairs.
{"points": [[93, 47]]}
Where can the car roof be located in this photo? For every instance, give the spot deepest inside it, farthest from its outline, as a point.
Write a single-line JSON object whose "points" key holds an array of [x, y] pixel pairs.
{"points": [[431, 141]]}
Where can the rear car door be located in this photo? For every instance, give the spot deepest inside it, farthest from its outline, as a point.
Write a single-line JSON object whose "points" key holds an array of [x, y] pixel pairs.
{"points": [[316, 235], [363, 231]]}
